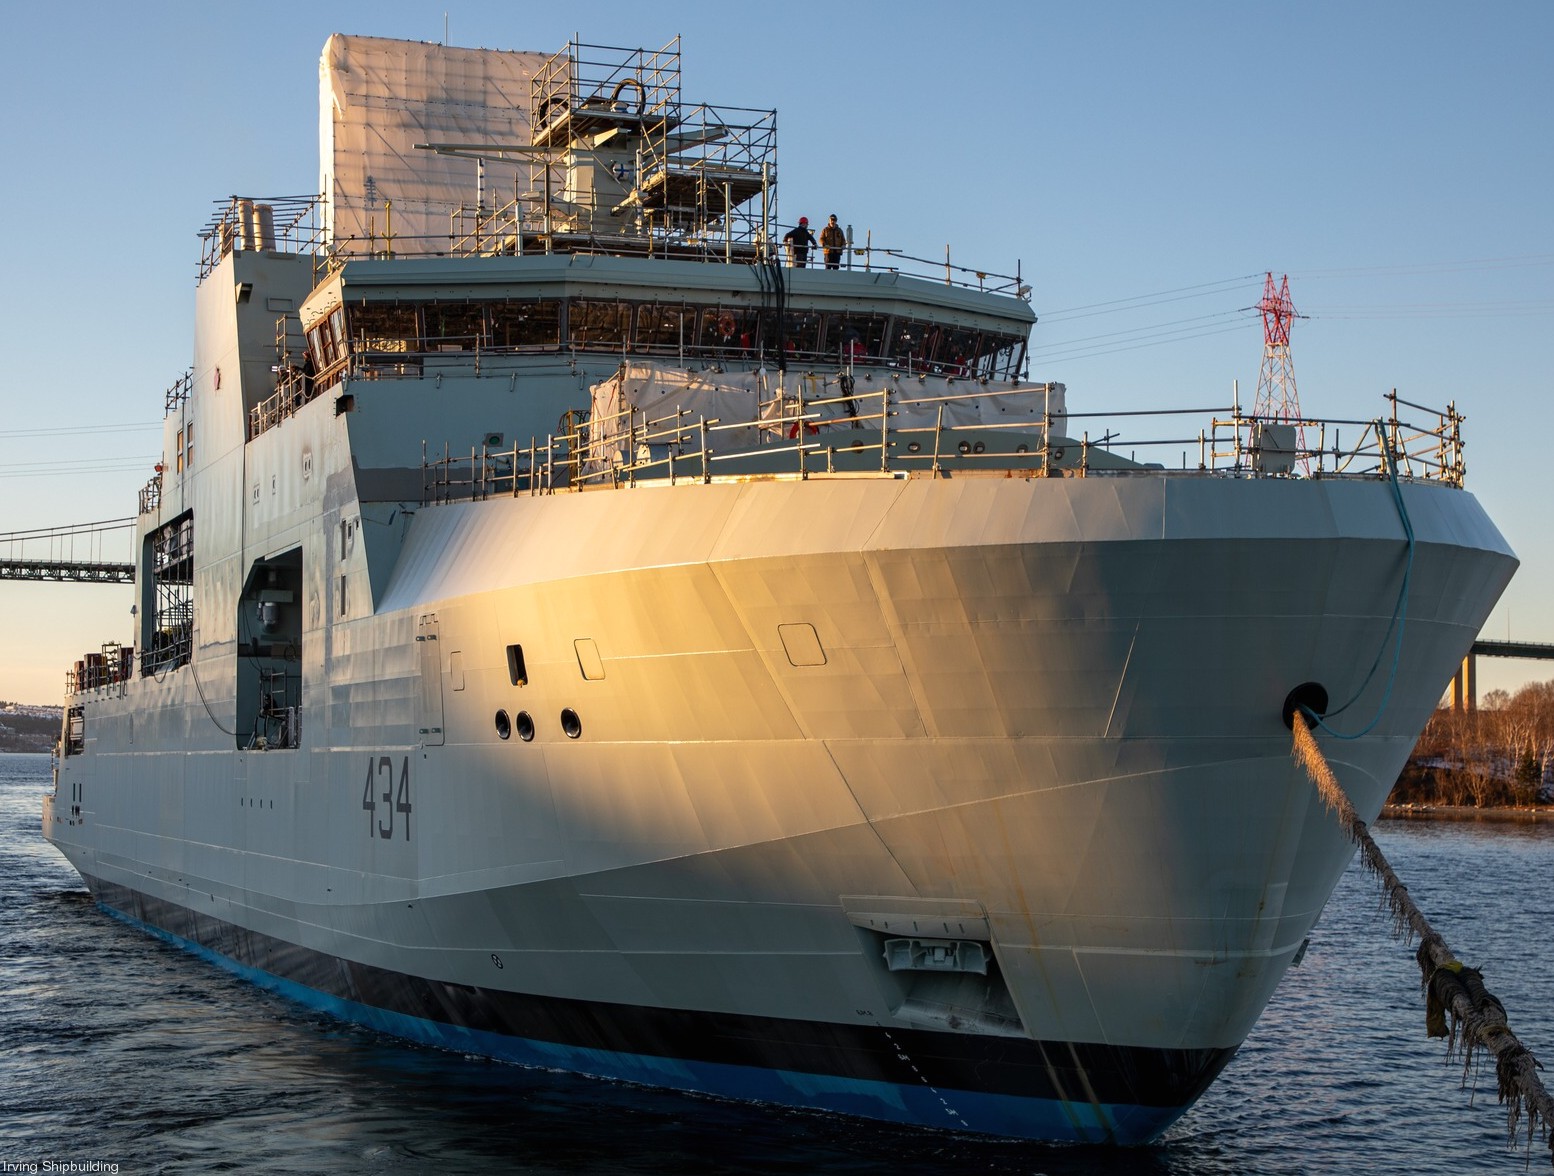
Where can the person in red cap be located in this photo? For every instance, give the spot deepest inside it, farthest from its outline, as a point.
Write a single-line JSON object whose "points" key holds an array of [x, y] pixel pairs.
{"points": [[799, 241]]}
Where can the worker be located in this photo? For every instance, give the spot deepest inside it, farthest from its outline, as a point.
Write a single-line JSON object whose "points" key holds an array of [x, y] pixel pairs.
{"points": [[833, 240], [799, 241]]}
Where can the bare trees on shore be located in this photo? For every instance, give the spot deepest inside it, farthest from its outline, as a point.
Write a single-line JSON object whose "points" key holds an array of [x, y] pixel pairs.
{"points": [[1500, 754]]}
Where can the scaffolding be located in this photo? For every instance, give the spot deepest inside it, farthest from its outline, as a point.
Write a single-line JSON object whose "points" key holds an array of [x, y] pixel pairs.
{"points": [[619, 162]]}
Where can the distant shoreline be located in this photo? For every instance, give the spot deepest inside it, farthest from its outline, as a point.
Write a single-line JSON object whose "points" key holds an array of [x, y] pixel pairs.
{"points": [[1464, 812]]}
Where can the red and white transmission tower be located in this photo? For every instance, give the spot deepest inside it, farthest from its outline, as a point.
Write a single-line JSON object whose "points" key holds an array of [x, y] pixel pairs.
{"points": [[1276, 398]]}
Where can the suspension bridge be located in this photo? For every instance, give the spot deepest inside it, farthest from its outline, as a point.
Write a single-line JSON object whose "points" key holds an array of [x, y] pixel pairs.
{"points": [[77, 554]]}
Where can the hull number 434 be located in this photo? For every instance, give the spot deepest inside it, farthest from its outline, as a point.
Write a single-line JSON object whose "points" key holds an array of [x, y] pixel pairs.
{"points": [[380, 789]]}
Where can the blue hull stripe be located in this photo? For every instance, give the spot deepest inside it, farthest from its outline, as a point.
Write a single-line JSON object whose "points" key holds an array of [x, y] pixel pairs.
{"points": [[918, 1104]]}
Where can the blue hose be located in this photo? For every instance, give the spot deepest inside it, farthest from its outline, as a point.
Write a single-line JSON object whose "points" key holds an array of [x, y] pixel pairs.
{"points": [[1399, 617]]}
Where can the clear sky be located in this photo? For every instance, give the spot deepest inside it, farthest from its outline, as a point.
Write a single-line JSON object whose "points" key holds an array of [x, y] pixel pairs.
{"points": [[1149, 161]]}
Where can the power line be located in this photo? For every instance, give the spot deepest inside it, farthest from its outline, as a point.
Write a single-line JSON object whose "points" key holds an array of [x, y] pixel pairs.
{"points": [[1175, 337], [76, 468], [1520, 261], [1062, 343], [1139, 301], [80, 429], [1437, 310]]}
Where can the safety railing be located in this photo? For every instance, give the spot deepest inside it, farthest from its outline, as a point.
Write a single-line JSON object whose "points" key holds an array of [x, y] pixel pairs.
{"points": [[113, 666], [880, 433], [519, 227], [171, 647], [870, 258], [294, 387], [284, 224], [151, 494], [1431, 451]]}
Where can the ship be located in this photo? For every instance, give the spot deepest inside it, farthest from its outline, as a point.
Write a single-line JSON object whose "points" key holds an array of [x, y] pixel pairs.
{"points": [[580, 622]]}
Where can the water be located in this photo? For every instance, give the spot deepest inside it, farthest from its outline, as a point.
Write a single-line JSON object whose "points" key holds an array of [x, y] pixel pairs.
{"points": [[122, 1050]]}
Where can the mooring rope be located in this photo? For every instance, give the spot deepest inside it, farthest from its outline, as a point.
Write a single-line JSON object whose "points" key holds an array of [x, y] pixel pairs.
{"points": [[1478, 1020]]}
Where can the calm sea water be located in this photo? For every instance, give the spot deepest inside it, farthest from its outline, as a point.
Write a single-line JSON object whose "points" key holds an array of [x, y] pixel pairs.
{"points": [[118, 1049]]}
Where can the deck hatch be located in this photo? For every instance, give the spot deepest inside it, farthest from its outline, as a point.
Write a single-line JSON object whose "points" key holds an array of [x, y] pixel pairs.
{"points": [[430, 694], [802, 645], [588, 659]]}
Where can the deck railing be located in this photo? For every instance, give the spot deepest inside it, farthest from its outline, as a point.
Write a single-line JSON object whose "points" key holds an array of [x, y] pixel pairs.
{"points": [[285, 224], [517, 228], [294, 388], [860, 435]]}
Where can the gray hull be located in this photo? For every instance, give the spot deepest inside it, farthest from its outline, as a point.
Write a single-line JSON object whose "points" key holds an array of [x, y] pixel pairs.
{"points": [[1037, 721]]}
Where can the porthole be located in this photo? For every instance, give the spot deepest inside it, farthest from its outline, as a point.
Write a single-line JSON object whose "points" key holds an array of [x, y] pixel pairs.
{"points": [[914, 447], [979, 447], [964, 447], [525, 726], [503, 727], [1022, 448], [571, 725]]}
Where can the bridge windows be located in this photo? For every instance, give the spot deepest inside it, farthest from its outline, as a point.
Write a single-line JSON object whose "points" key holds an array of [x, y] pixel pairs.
{"points": [[912, 344], [519, 325], [381, 328], [665, 328], [801, 334], [327, 348], [855, 338], [595, 324], [391, 338], [454, 326]]}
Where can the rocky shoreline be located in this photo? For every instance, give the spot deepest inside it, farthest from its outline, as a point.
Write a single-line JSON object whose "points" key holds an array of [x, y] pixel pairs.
{"points": [[1464, 812]]}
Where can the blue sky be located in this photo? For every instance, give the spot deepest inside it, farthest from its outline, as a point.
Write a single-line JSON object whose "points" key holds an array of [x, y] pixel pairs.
{"points": [[1396, 160]]}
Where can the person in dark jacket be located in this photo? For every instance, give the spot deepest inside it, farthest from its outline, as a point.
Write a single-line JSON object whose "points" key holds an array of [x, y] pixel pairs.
{"points": [[799, 241]]}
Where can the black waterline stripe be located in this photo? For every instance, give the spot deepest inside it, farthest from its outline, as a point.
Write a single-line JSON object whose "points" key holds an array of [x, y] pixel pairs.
{"points": [[1020, 1067]]}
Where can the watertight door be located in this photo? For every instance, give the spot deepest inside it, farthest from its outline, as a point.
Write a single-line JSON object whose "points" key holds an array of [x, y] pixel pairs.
{"points": [[429, 714]]}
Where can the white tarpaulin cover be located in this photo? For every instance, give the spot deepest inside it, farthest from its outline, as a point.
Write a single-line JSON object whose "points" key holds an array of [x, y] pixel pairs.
{"points": [[378, 98], [643, 397]]}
